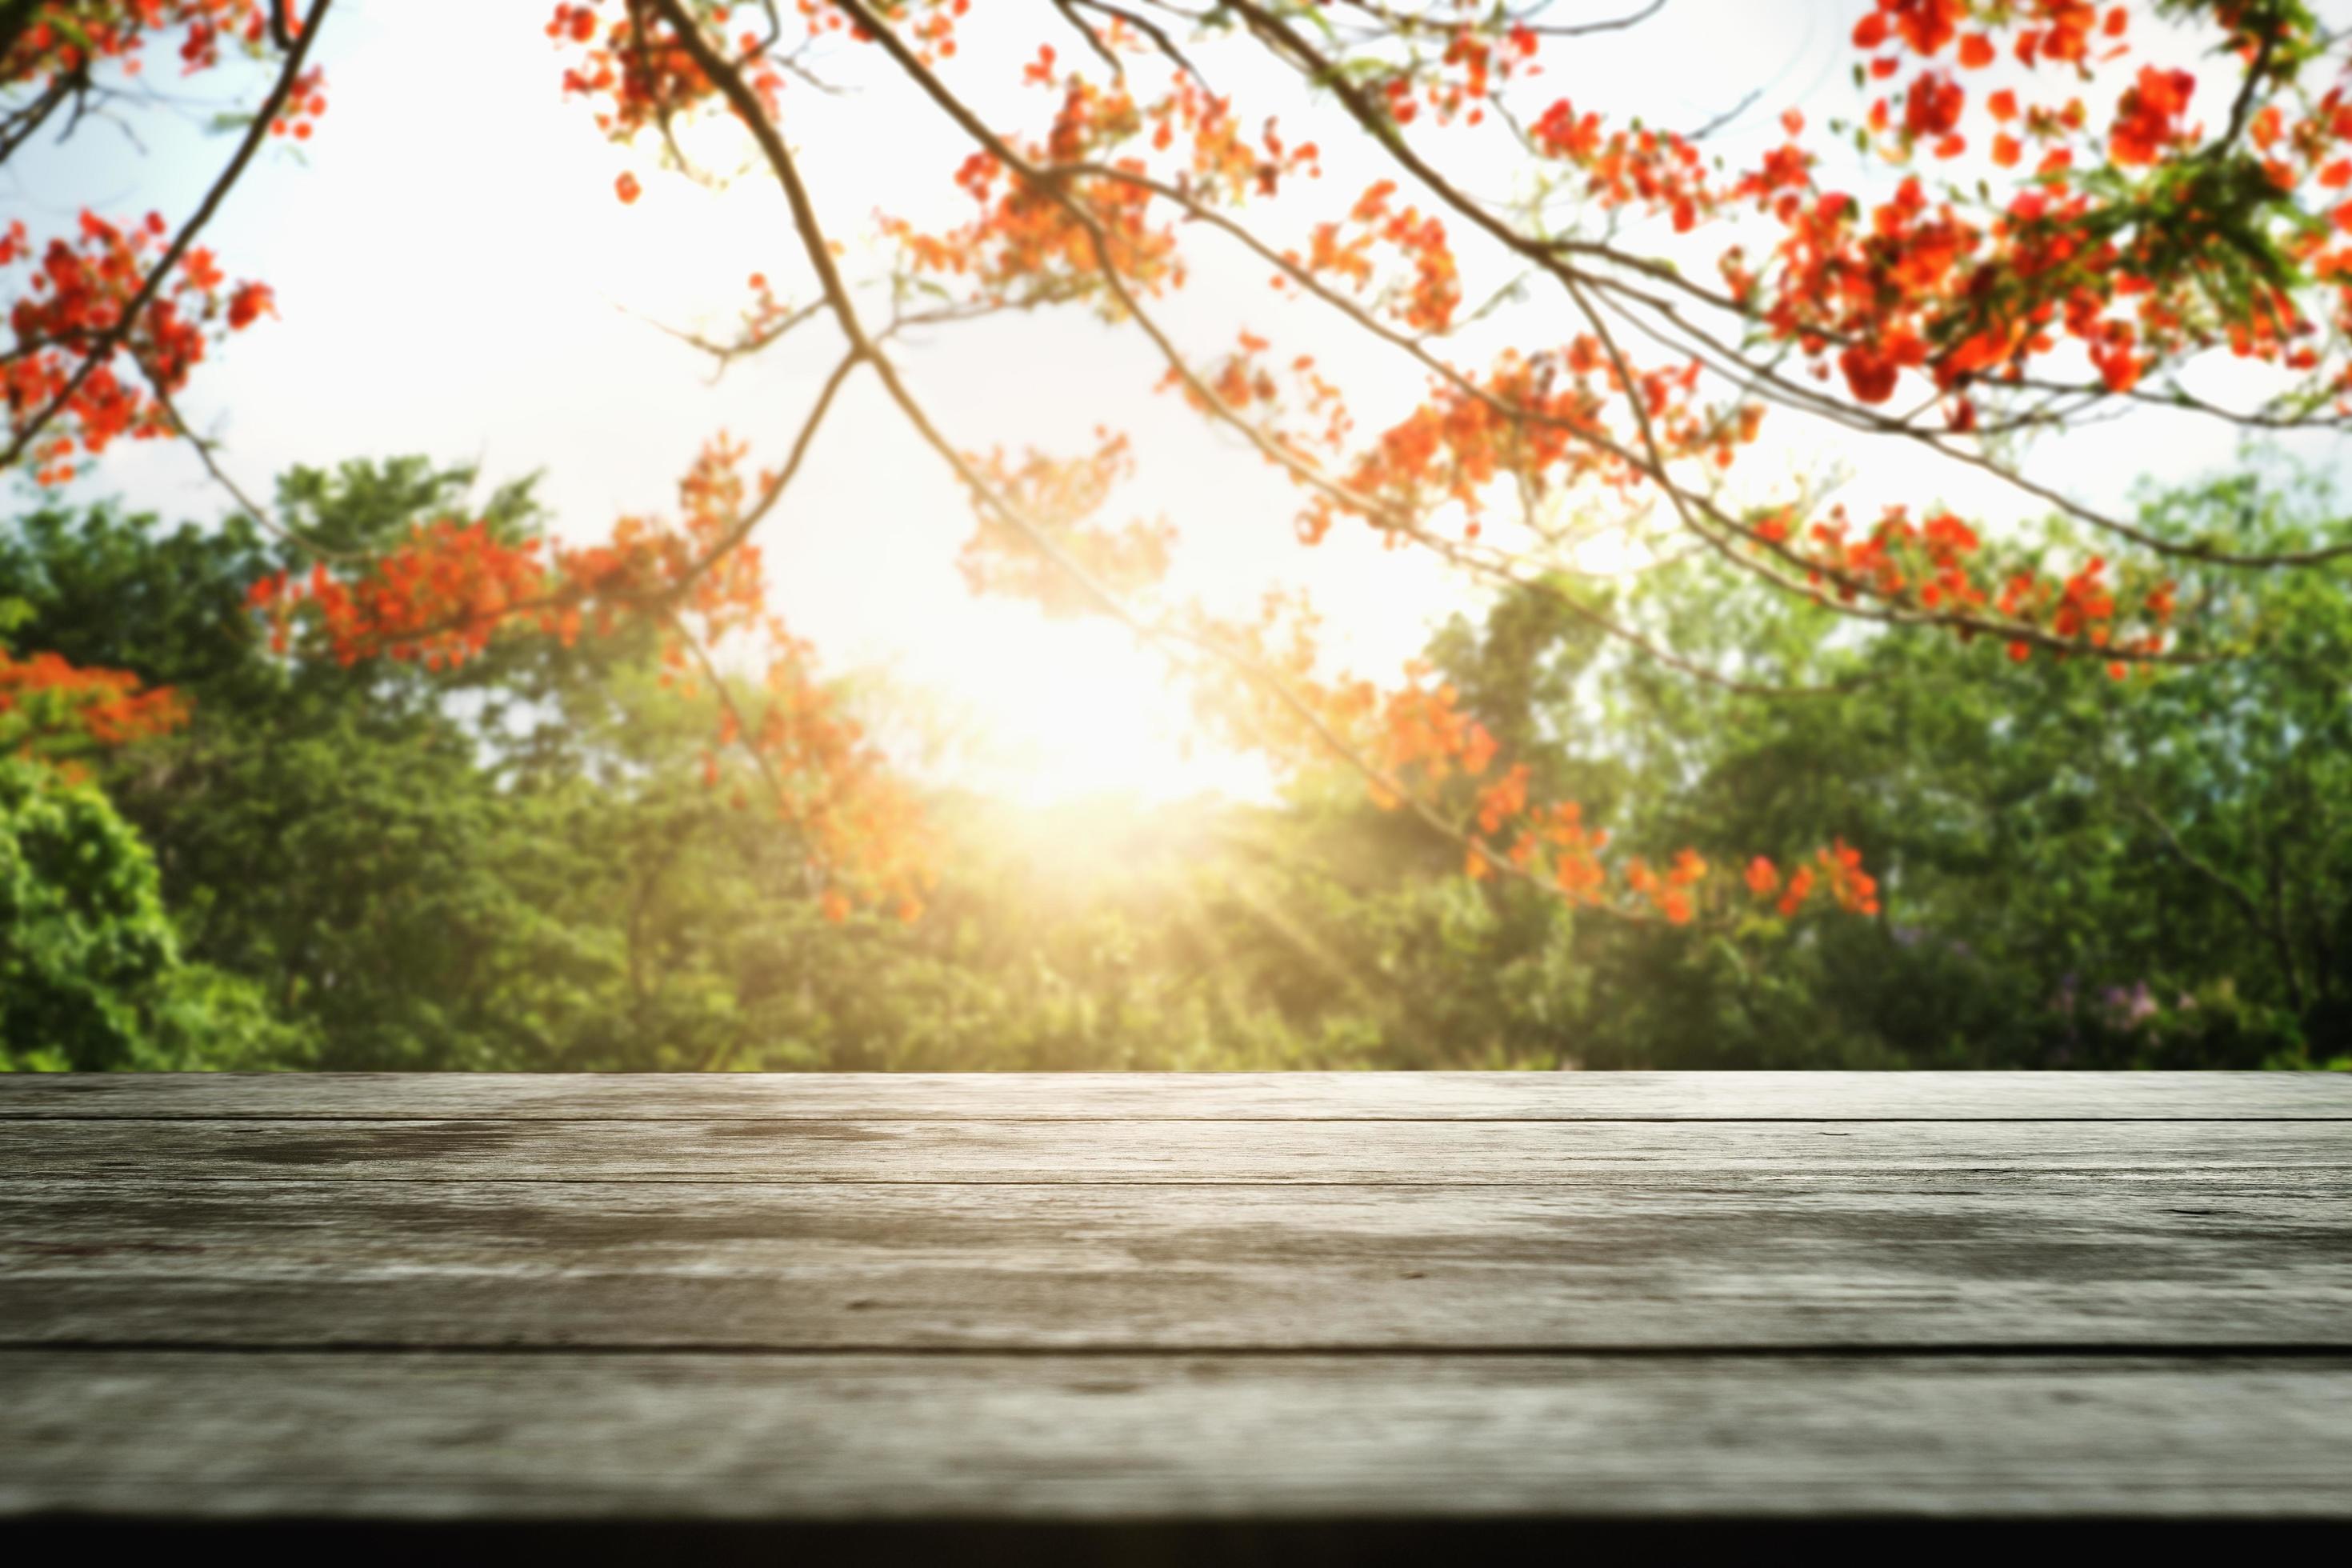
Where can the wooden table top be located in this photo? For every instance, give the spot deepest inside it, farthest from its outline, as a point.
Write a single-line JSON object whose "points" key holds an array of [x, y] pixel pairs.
{"points": [[1283, 1301]]}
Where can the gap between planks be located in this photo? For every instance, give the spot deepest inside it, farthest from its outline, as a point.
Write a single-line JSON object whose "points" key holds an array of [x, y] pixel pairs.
{"points": [[2237, 1352]]}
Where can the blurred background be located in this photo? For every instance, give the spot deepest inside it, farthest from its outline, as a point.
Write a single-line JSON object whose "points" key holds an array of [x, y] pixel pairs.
{"points": [[521, 865]]}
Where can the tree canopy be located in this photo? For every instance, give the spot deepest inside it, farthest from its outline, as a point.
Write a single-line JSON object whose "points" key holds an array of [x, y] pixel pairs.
{"points": [[1559, 328], [526, 868]]}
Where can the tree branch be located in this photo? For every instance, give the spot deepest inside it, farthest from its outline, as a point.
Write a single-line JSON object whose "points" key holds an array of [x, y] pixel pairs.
{"points": [[112, 337]]}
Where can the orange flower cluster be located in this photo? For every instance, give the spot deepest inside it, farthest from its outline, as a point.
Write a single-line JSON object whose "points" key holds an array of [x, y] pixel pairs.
{"points": [[1546, 421], [1433, 756], [638, 76], [304, 103], [73, 298], [638, 73], [1657, 171], [1426, 302], [2061, 31], [1458, 79], [1220, 162], [454, 587], [869, 841], [1061, 496], [441, 597], [438, 599], [1938, 566], [63, 43], [1025, 246], [45, 700], [1839, 876], [77, 287], [2149, 117], [2135, 277], [1543, 422]]}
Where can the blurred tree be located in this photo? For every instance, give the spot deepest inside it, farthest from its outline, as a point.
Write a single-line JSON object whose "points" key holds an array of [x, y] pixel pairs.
{"points": [[2026, 219], [520, 862], [2074, 870]]}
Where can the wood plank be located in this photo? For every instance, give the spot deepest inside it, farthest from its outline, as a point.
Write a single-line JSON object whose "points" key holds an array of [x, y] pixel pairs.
{"points": [[1397, 1153], [2008, 1260], [687, 1437], [1459, 1096]]}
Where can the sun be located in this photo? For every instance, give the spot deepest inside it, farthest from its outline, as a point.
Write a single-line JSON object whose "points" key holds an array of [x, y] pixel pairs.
{"points": [[1042, 712]]}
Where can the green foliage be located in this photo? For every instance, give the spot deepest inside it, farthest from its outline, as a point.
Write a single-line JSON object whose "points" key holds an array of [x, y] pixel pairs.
{"points": [[91, 974], [518, 865], [2075, 871], [82, 929]]}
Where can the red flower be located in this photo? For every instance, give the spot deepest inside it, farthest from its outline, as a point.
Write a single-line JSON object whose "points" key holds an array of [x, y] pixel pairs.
{"points": [[246, 306]]}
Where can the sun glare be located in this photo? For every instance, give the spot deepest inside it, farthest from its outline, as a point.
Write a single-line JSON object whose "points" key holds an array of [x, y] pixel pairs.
{"points": [[1042, 712]]}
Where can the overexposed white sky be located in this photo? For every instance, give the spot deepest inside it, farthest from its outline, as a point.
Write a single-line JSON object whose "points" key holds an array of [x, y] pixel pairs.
{"points": [[455, 279]]}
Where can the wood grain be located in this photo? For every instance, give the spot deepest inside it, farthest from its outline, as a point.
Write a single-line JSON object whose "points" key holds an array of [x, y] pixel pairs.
{"points": [[2014, 1261], [1180, 1298], [1274, 1097], [1189, 1151], [865, 1436]]}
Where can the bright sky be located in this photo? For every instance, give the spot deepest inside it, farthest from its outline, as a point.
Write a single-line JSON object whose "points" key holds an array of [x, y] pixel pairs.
{"points": [[455, 279]]}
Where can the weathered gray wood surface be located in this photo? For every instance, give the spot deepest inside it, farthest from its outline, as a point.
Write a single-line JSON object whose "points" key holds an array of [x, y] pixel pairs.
{"points": [[1207, 1297], [1918, 1262], [1191, 1152], [879, 1435], [1214, 1097]]}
